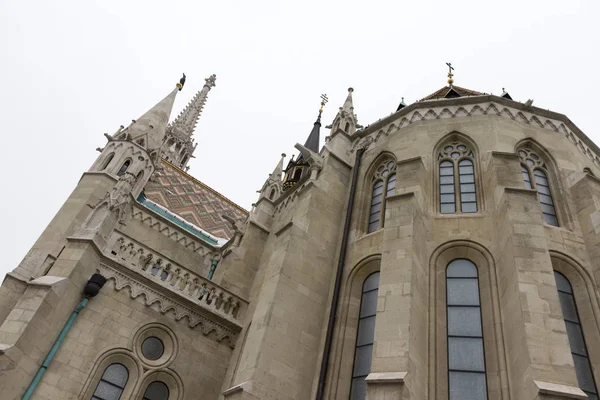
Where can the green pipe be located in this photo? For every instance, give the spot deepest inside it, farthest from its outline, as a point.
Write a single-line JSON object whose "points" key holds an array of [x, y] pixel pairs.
{"points": [[213, 267], [61, 337]]}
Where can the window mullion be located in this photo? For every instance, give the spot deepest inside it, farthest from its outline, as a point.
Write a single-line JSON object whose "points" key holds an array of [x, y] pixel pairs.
{"points": [[457, 206]]}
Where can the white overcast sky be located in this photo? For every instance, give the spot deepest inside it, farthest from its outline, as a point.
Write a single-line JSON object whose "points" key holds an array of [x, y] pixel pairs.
{"points": [[72, 70]]}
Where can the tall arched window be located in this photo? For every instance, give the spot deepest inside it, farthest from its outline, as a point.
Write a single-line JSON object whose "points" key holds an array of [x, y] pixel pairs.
{"points": [[384, 182], [157, 390], [535, 177], [457, 179], [112, 383], [124, 167], [466, 361], [581, 359], [107, 162], [363, 352]]}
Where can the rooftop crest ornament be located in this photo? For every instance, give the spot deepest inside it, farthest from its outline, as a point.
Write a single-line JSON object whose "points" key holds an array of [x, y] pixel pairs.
{"points": [[181, 82], [450, 74]]}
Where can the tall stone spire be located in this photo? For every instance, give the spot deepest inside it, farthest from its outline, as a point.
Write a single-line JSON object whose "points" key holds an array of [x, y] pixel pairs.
{"points": [[149, 130], [186, 121], [345, 121], [179, 145], [278, 171]]}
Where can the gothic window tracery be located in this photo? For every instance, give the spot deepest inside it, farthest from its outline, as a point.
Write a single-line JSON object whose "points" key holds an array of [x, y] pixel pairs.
{"points": [[112, 383], [466, 361], [535, 176], [365, 337], [124, 167], [384, 183], [583, 368], [457, 188]]}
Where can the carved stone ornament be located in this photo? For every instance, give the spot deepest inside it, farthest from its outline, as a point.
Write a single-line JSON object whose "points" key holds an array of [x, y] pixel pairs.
{"points": [[170, 307], [314, 160], [118, 197]]}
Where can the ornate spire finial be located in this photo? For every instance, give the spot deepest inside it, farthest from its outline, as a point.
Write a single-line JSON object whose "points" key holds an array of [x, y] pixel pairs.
{"points": [[324, 101], [450, 74], [181, 82]]}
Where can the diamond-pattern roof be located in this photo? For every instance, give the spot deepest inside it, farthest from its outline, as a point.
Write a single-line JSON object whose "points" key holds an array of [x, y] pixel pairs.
{"points": [[194, 201]]}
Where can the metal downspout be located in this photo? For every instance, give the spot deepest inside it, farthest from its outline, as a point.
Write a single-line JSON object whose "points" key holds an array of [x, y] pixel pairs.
{"points": [[91, 289], [338, 279], [61, 337]]}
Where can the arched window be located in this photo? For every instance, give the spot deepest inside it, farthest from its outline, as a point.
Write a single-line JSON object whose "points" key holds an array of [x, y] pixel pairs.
{"points": [[466, 362], [532, 166], [112, 383], [272, 194], [124, 167], [157, 390], [457, 179], [581, 359], [347, 127], [363, 352], [297, 174], [107, 162], [385, 182]]}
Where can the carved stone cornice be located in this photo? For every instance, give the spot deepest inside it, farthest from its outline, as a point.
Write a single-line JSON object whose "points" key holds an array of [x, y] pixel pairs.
{"points": [[475, 106], [172, 305]]}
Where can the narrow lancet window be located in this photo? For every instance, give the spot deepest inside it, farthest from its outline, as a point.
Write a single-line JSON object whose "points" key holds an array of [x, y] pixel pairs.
{"points": [[457, 179], [112, 383], [124, 167], [581, 358], [466, 361], [363, 352], [107, 162], [532, 166], [385, 183]]}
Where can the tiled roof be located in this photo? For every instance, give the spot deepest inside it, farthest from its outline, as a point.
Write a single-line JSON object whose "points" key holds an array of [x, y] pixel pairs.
{"points": [[441, 93], [192, 200]]}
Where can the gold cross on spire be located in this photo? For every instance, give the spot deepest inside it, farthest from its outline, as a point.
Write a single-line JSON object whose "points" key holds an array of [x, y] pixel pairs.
{"points": [[324, 101], [450, 74]]}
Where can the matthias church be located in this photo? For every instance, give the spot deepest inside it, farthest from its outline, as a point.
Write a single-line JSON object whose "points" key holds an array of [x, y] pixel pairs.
{"points": [[447, 251]]}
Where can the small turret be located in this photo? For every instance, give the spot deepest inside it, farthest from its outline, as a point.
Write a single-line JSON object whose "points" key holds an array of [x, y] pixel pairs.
{"points": [[345, 121], [295, 170], [272, 187]]}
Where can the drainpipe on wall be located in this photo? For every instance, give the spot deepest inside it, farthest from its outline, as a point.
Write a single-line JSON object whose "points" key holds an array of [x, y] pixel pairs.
{"points": [[338, 279], [213, 267], [92, 288]]}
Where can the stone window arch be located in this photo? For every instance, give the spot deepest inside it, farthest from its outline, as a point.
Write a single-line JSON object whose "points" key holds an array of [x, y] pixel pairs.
{"points": [[124, 167], [363, 350], [467, 378], [383, 185], [112, 383], [456, 177], [104, 372], [157, 390], [576, 291], [107, 162], [483, 285], [160, 383], [342, 359], [536, 176]]}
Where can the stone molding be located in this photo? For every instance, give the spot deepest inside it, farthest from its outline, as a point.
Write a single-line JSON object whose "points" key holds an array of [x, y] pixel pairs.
{"points": [[208, 320], [560, 391], [386, 377], [171, 231], [484, 108]]}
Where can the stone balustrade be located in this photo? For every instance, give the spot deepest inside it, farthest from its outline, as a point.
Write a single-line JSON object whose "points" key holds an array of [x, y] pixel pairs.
{"points": [[176, 278]]}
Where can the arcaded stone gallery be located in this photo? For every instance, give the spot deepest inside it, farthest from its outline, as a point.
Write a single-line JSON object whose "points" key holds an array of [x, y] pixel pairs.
{"points": [[447, 251]]}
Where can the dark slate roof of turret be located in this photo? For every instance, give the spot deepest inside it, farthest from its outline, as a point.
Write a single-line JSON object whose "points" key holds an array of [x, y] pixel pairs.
{"points": [[450, 92], [312, 143]]}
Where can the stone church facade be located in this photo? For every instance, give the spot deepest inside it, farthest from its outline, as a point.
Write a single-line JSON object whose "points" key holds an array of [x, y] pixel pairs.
{"points": [[446, 251]]}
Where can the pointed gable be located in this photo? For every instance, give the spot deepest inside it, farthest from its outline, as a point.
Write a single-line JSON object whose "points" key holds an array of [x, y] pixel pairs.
{"points": [[450, 92]]}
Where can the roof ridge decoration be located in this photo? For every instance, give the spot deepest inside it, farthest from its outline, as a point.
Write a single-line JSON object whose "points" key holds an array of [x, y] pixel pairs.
{"points": [[486, 108]]}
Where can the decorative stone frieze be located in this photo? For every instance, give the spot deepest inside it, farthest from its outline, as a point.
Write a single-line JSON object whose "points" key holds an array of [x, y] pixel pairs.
{"points": [[488, 108]]}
